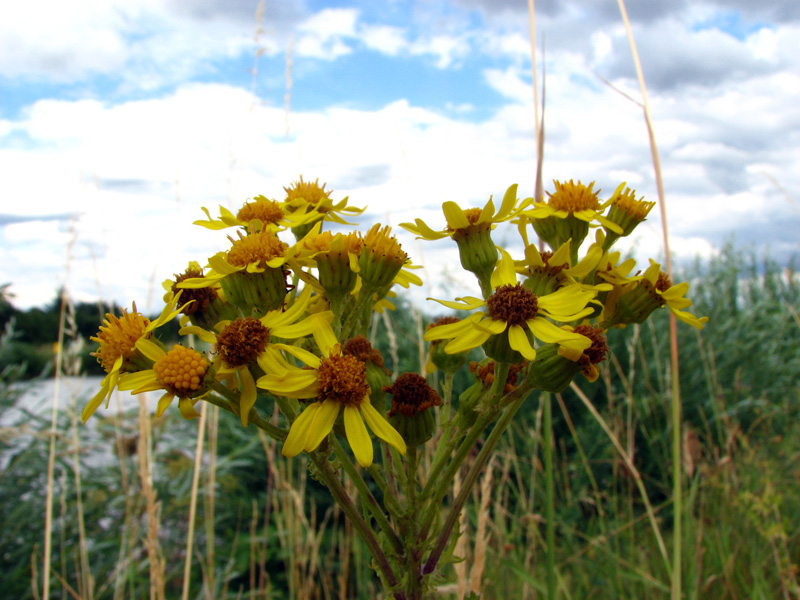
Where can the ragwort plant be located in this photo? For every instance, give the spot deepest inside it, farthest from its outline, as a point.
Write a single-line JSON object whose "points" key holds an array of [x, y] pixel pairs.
{"points": [[288, 318]]}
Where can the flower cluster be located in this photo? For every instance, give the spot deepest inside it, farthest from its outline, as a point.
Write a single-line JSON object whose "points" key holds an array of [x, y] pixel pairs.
{"points": [[281, 319]]}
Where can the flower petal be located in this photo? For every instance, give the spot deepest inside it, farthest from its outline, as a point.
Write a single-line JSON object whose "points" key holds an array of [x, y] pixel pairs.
{"points": [[249, 395], [150, 349], [163, 403], [382, 428], [518, 340], [322, 424], [456, 219], [357, 435], [186, 406], [298, 432]]}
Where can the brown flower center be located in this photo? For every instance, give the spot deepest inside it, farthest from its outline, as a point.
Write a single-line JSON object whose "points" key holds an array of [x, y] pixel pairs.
{"points": [[513, 304], [344, 379], [242, 341], [663, 283], [597, 352], [181, 371], [360, 348], [411, 394], [202, 296]]}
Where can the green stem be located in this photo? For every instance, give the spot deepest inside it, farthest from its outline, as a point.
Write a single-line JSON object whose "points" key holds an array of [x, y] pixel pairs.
{"points": [[276, 433], [469, 482], [372, 504], [414, 557], [550, 524], [331, 481]]}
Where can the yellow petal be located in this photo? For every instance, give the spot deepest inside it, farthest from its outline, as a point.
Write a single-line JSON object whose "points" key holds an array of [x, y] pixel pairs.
{"points": [[304, 355], [464, 303], [504, 272], [518, 340], [150, 349], [298, 432], [467, 341], [134, 381], [297, 383], [549, 333], [323, 335], [357, 435], [509, 200], [186, 406], [207, 336], [456, 219], [249, 394], [322, 424], [97, 400], [382, 428], [163, 403]]}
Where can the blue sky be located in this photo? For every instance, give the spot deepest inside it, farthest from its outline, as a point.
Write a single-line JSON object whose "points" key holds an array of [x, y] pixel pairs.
{"points": [[119, 120]]}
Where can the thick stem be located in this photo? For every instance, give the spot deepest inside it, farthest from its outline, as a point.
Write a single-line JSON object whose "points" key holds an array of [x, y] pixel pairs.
{"points": [[372, 504], [340, 495], [469, 482]]}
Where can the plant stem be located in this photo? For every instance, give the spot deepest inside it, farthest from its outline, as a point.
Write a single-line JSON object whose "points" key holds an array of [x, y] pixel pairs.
{"points": [[550, 523], [331, 481], [271, 430], [469, 482], [372, 504]]}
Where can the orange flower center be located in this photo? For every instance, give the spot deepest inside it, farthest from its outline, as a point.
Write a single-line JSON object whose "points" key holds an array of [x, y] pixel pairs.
{"points": [[513, 304], [260, 208], [118, 337], [597, 351], [572, 197], [638, 209], [344, 379], [258, 248], [181, 370]]}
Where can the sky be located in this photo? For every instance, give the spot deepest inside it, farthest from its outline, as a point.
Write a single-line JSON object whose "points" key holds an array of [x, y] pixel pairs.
{"points": [[119, 120]]}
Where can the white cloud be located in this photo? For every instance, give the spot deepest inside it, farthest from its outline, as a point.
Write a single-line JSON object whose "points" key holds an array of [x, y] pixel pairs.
{"points": [[383, 38]]}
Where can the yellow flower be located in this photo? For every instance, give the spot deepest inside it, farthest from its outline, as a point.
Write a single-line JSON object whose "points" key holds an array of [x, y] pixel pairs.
{"points": [[258, 214], [567, 215], [252, 272], [382, 257], [626, 212], [339, 384], [180, 372], [635, 300], [247, 341], [471, 230], [305, 197], [118, 353], [513, 315]]}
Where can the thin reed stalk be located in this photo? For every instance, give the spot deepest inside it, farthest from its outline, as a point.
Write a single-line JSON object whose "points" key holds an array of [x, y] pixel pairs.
{"points": [[677, 461], [155, 559], [633, 470], [198, 457]]}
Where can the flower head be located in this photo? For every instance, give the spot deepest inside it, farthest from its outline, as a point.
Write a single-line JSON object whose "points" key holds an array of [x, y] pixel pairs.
{"points": [[308, 197], [118, 352], [471, 230], [248, 341], [567, 214], [258, 214], [181, 373], [339, 384], [514, 315], [634, 300]]}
